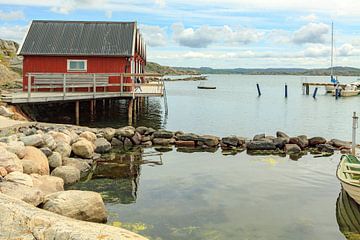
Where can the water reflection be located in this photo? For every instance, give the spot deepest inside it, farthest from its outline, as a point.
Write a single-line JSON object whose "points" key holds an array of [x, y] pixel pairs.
{"points": [[116, 176], [348, 216]]}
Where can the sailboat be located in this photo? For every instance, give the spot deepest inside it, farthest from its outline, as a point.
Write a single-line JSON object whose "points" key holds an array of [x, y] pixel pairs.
{"points": [[333, 79]]}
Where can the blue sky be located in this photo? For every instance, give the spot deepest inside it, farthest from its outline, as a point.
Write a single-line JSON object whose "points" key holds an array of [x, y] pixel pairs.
{"points": [[215, 33]]}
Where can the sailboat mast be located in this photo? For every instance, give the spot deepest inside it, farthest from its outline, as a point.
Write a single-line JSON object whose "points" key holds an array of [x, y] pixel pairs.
{"points": [[332, 49]]}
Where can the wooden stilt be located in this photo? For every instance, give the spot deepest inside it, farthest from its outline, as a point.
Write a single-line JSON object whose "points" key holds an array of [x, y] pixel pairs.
{"points": [[130, 111], [307, 89], [135, 108], [91, 108], [77, 112]]}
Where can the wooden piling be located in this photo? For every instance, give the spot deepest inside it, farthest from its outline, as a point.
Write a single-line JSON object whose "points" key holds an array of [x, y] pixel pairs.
{"points": [[77, 112], [130, 111], [307, 89], [286, 90], [315, 91], [258, 89], [91, 108]]}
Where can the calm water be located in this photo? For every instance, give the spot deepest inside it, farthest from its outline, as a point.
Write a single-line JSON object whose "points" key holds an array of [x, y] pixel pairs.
{"points": [[211, 196]]}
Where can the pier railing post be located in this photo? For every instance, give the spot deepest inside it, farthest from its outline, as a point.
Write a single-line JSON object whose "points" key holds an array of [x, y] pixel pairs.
{"points": [[354, 127], [64, 86], [77, 112], [29, 86], [121, 83], [94, 85]]}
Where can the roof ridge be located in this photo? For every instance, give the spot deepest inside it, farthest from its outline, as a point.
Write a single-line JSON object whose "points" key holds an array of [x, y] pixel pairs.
{"points": [[78, 21]]}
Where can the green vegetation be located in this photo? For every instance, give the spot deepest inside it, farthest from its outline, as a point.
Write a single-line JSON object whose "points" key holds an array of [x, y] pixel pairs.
{"points": [[152, 67]]}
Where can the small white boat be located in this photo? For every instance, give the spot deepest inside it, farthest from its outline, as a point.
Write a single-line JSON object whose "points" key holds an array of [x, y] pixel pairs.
{"points": [[202, 86], [348, 172], [349, 90]]}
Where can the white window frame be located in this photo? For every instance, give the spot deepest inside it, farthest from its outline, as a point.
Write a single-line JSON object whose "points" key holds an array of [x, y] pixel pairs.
{"points": [[76, 60]]}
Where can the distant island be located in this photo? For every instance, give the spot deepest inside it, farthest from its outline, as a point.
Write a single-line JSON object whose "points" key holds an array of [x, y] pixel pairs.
{"points": [[166, 70]]}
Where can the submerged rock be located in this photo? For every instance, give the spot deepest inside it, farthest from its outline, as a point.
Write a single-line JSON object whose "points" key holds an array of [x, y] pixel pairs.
{"points": [[260, 145], [326, 148], [209, 140], [292, 148], [81, 205], [187, 137], [161, 141], [231, 140], [185, 144], [316, 140], [163, 134], [339, 143]]}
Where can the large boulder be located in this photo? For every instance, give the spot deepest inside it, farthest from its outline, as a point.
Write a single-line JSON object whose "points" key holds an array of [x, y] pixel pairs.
{"points": [[23, 221], [55, 160], [69, 174], [35, 161], [102, 145], [83, 148], [187, 137], [260, 145], [209, 140], [282, 134], [16, 147], [162, 141], [259, 137], [109, 133], [20, 178], [136, 139], [280, 142], [231, 141], [31, 195], [10, 161], [163, 134], [316, 141], [339, 143], [81, 164], [49, 141], [142, 130], [127, 131], [35, 140], [327, 148], [301, 141], [60, 137], [81, 205], [90, 136], [185, 143], [63, 148], [292, 148], [47, 184]]}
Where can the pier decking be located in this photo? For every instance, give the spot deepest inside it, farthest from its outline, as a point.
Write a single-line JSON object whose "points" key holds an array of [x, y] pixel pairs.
{"points": [[307, 85]]}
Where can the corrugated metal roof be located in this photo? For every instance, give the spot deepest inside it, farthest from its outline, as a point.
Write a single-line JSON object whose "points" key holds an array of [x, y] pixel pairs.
{"points": [[79, 38]]}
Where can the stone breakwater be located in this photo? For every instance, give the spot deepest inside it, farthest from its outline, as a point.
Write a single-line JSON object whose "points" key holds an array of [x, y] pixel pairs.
{"points": [[37, 159]]}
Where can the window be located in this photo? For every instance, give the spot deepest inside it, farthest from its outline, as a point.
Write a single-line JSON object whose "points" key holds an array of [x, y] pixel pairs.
{"points": [[77, 65]]}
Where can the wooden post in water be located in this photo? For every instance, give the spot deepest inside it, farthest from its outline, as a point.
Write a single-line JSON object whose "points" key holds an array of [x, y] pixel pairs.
{"points": [[286, 91], [130, 111], [315, 91], [258, 89], [354, 127], [307, 89], [77, 112]]}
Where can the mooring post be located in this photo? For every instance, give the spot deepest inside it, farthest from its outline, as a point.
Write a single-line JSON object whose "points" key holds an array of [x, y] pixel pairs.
{"points": [[286, 91], [315, 91], [336, 92], [77, 112], [354, 127], [307, 88], [130, 111], [258, 89]]}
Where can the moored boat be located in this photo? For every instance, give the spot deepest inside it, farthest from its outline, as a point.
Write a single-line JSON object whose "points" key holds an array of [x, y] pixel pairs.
{"points": [[349, 91], [202, 86], [348, 172], [347, 214]]}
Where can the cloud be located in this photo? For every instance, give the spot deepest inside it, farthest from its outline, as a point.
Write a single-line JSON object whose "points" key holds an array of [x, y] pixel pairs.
{"points": [[311, 33], [154, 36], [195, 38], [243, 36], [12, 15], [15, 33], [347, 50], [309, 18], [108, 14], [279, 36], [160, 3], [317, 50]]}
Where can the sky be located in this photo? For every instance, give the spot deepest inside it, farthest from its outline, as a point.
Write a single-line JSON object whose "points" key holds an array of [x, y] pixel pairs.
{"points": [[214, 33]]}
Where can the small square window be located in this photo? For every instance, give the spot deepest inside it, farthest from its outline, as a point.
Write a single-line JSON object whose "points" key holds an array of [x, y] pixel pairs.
{"points": [[77, 65]]}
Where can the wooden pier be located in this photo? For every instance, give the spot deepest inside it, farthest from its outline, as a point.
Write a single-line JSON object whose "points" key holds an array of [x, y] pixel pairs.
{"points": [[76, 87], [307, 85]]}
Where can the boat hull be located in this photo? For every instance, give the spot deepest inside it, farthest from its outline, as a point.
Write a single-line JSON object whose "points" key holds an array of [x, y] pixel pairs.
{"points": [[203, 87], [354, 192], [329, 89]]}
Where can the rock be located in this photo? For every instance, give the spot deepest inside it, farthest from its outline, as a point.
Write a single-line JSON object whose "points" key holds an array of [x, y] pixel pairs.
{"points": [[55, 160], [74, 137], [63, 148], [231, 141], [35, 161], [16, 147], [142, 130], [187, 137], [88, 136], [136, 139], [69, 174], [116, 142], [150, 131], [102, 145], [339, 143], [316, 141], [3, 172], [280, 134], [10, 161], [49, 141], [304, 142], [161, 141], [260, 145], [163, 134], [127, 142], [35, 140], [23, 192], [326, 148], [83, 148], [345, 151], [47, 151], [5, 112], [185, 143], [280, 142], [259, 137], [47, 184], [146, 138], [301, 141], [128, 131], [147, 144], [109, 133], [20, 220], [209, 140], [20, 178], [60, 137], [8, 139], [292, 148], [81, 205], [81, 164]]}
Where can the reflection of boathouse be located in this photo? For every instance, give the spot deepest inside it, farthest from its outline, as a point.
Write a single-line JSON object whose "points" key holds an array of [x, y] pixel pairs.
{"points": [[348, 216]]}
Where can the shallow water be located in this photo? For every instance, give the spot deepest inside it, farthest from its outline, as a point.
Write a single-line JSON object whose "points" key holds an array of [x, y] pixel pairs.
{"points": [[211, 196]]}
